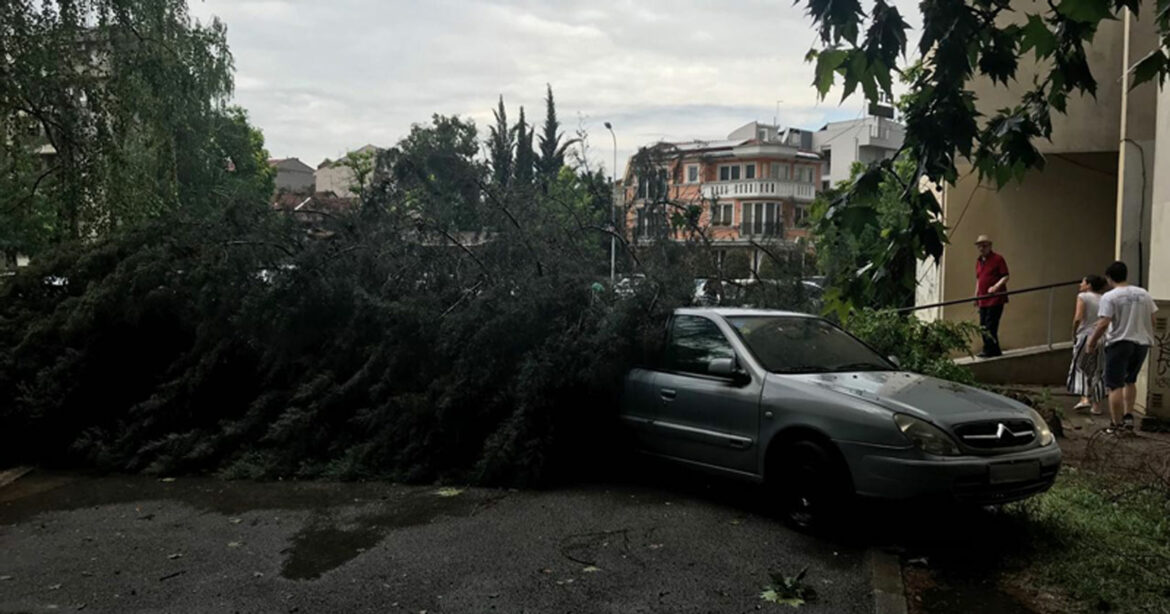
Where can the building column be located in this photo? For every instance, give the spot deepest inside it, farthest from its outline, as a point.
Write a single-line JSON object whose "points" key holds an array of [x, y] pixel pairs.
{"points": [[1157, 374], [1135, 172]]}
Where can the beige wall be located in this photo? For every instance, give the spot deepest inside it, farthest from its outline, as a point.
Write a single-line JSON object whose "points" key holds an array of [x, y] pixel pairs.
{"points": [[1091, 124], [337, 179], [1055, 226]]}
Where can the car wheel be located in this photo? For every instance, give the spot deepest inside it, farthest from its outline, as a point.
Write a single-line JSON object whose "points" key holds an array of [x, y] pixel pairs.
{"points": [[809, 488]]}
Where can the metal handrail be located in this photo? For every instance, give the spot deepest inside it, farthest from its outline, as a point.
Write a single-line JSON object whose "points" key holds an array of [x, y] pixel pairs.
{"points": [[1049, 287], [960, 301]]}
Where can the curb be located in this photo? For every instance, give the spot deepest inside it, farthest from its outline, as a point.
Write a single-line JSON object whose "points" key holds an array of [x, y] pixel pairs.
{"points": [[9, 476], [889, 593]]}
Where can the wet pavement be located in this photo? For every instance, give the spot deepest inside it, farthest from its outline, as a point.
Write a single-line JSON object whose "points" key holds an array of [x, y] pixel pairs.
{"points": [[638, 544]]}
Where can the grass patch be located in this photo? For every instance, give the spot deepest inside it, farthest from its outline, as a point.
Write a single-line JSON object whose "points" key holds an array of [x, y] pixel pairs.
{"points": [[1105, 542]]}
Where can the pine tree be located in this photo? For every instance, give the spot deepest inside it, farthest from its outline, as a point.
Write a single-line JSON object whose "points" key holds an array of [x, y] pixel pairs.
{"points": [[552, 151], [501, 143], [525, 164]]}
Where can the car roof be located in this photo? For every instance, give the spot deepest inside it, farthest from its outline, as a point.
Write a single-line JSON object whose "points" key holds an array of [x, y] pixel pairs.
{"points": [[735, 312]]}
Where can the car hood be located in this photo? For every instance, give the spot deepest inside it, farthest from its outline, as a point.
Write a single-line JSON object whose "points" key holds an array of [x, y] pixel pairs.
{"points": [[926, 397]]}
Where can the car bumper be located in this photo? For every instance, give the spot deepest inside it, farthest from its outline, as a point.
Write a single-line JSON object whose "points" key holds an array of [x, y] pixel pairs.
{"points": [[902, 473]]}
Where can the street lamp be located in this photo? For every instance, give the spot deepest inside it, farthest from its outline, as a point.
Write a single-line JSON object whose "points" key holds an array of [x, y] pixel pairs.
{"points": [[613, 210]]}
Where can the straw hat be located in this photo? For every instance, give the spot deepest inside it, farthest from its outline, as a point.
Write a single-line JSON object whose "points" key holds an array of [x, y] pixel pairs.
{"points": [[983, 239]]}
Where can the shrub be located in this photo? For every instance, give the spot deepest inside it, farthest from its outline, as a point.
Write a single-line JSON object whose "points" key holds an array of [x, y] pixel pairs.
{"points": [[923, 347]]}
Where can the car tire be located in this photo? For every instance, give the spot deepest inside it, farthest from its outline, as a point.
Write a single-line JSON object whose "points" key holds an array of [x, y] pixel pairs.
{"points": [[809, 488]]}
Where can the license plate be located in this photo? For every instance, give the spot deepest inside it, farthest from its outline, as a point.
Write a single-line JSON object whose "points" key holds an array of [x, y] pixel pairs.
{"points": [[1003, 473]]}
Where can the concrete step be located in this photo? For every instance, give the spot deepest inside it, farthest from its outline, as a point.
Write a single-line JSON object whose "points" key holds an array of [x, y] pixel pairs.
{"points": [[1038, 365]]}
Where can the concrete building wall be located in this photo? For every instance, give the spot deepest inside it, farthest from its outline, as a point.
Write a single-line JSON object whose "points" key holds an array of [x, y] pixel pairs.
{"points": [[1057, 225], [865, 140], [336, 179], [292, 175]]}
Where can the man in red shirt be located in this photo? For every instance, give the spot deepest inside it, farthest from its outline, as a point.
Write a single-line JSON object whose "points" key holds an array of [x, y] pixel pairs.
{"points": [[991, 276]]}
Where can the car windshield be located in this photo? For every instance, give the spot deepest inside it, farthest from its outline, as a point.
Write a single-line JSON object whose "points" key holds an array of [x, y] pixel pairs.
{"points": [[790, 344]]}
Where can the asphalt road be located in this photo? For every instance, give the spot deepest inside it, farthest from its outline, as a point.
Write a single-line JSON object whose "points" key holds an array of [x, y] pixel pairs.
{"points": [[639, 544]]}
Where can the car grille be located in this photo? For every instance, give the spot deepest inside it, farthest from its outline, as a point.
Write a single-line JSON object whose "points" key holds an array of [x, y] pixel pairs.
{"points": [[996, 434]]}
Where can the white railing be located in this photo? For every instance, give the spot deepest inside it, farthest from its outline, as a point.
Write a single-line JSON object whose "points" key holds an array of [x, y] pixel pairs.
{"points": [[760, 188]]}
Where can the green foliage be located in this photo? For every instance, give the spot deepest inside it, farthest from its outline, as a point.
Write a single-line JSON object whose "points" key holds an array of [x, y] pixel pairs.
{"points": [[361, 165], [525, 163], [112, 112], [258, 345], [963, 40], [853, 240], [1088, 531], [501, 145], [434, 172], [789, 590], [552, 151], [922, 347], [737, 264]]}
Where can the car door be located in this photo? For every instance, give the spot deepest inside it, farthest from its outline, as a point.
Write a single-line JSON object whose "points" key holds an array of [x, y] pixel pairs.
{"points": [[704, 418]]}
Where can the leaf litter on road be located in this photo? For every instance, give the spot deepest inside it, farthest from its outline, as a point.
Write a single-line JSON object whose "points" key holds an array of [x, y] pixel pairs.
{"points": [[788, 590], [448, 491]]}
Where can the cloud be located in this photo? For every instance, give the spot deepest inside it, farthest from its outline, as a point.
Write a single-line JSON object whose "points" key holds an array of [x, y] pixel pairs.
{"points": [[323, 77]]}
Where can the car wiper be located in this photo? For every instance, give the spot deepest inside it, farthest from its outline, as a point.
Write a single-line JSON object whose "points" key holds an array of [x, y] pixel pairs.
{"points": [[860, 366], [802, 369]]}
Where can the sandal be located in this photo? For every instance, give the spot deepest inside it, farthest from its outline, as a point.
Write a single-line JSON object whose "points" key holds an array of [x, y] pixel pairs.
{"points": [[1127, 422], [1082, 405]]}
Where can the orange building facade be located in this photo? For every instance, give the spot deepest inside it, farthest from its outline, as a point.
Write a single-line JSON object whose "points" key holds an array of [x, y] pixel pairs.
{"points": [[755, 186]]}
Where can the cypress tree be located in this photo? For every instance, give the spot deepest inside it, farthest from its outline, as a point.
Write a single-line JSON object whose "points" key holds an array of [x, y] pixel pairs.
{"points": [[501, 143], [525, 162]]}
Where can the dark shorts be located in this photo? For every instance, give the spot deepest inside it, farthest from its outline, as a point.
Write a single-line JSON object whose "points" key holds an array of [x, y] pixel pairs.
{"points": [[1123, 362]]}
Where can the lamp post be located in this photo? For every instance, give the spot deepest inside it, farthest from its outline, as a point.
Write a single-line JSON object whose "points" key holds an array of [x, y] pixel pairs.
{"points": [[613, 210]]}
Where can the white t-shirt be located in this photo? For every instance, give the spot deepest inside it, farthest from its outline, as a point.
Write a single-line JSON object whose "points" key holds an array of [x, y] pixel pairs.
{"points": [[1131, 309]]}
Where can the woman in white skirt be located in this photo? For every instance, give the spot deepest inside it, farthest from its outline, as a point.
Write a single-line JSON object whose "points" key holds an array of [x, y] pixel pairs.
{"points": [[1085, 372]]}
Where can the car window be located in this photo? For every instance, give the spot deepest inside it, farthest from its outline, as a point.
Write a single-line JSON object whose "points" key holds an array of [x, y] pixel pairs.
{"points": [[786, 344], [694, 342]]}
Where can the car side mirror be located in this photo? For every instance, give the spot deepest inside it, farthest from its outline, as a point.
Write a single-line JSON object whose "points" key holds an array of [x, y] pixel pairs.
{"points": [[723, 367], [729, 368], [894, 359]]}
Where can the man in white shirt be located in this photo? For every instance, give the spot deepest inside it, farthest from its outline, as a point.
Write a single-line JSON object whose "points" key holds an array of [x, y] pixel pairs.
{"points": [[1126, 320]]}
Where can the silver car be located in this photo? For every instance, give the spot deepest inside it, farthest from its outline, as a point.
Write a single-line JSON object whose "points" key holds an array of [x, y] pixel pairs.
{"points": [[794, 401]]}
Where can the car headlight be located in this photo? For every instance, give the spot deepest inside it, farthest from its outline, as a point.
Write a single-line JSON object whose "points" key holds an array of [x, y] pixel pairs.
{"points": [[926, 436], [1042, 428]]}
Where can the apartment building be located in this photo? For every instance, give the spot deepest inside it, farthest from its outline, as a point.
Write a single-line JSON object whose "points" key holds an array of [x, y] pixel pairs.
{"points": [[752, 187], [867, 139]]}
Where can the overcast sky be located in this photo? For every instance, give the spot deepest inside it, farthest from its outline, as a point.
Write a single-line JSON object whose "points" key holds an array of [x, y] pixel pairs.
{"points": [[322, 77]]}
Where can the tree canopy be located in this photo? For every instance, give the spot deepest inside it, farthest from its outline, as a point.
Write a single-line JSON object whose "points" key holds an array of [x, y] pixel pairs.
{"points": [[112, 111], [961, 39]]}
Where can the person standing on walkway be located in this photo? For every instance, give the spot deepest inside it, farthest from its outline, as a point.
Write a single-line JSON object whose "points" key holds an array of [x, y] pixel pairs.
{"points": [[991, 276], [1085, 372], [1127, 324]]}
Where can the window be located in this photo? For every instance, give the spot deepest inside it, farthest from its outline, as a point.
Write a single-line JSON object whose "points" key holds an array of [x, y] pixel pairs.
{"points": [[800, 216], [804, 174], [651, 223], [762, 134], [761, 219], [749, 171], [721, 214], [729, 172], [653, 186], [694, 342], [693, 173], [788, 344], [779, 170]]}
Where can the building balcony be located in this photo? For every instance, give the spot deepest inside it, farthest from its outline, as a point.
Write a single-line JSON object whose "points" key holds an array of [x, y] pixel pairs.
{"points": [[760, 188]]}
